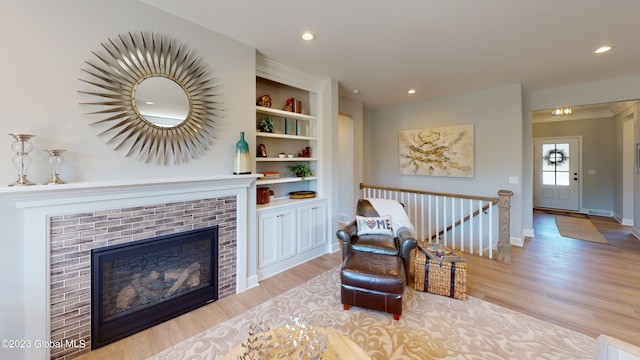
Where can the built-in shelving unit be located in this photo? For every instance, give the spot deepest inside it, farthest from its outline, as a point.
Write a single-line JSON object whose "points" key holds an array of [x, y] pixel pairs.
{"points": [[292, 133], [290, 231]]}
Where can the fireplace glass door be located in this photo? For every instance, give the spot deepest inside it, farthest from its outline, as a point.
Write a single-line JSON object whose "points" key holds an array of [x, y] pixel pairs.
{"points": [[140, 284]]}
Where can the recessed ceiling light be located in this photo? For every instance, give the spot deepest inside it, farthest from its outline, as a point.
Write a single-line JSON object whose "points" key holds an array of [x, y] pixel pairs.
{"points": [[603, 49], [308, 36], [356, 91], [412, 91]]}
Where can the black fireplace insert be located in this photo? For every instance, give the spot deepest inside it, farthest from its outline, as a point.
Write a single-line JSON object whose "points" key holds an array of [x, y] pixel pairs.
{"points": [[140, 284]]}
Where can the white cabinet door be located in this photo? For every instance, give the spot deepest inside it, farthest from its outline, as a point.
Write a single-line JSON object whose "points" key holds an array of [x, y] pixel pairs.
{"points": [[320, 228], [313, 226], [268, 233], [287, 233], [276, 236]]}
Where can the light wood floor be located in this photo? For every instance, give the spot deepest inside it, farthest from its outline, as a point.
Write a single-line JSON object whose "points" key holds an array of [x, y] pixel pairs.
{"points": [[583, 286], [587, 287]]}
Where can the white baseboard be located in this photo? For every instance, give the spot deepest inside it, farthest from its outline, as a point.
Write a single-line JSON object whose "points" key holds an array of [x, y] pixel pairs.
{"points": [[516, 241], [627, 222], [252, 281], [623, 221], [526, 233]]}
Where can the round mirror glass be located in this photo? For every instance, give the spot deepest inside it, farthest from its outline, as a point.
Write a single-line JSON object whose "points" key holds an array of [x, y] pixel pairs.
{"points": [[162, 102]]}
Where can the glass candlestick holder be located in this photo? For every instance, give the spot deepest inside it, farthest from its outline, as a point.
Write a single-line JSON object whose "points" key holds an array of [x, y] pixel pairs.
{"points": [[22, 147], [55, 163]]}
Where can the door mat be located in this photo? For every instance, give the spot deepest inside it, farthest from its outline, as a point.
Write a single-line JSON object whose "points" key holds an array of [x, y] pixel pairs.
{"points": [[581, 229]]}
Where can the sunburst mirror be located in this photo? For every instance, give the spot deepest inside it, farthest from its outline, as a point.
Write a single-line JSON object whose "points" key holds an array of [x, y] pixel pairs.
{"points": [[155, 98]]}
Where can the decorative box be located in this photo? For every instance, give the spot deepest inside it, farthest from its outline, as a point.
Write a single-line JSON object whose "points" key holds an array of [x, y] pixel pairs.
{"points": [[446, 276], [262, 195]]}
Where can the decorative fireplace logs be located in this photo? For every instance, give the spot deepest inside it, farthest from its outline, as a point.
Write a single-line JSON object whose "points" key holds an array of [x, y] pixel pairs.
{"points": [[153, 286]]}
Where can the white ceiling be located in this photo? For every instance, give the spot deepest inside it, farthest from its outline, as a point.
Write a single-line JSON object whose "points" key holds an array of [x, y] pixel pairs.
{"points": [[438, 47]]}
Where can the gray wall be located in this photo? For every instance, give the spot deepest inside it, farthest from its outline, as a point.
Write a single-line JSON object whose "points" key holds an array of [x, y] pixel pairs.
{"points": [[598, 153], [497, 118]]}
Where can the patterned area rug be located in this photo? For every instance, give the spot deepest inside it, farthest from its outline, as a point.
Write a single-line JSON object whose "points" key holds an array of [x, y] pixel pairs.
{"points": [[581, 229], [431, 327]]}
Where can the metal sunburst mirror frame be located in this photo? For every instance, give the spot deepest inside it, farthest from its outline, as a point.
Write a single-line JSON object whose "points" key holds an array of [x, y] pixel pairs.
{"points": [[129, 60]]}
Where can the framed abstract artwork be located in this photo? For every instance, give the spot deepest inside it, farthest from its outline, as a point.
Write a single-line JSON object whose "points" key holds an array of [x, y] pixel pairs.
{"points": [[439, 151]]}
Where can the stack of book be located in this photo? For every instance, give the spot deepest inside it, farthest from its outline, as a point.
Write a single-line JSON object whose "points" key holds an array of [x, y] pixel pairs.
{"points": [[294, 105], [270, 175]]}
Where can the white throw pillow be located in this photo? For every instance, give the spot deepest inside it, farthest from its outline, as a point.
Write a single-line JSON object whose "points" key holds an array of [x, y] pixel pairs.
{"points": [[393, 208], [374, 225]]}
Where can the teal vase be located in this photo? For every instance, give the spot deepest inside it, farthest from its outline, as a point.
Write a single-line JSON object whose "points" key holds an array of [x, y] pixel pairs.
{"points": [[242, 161]]}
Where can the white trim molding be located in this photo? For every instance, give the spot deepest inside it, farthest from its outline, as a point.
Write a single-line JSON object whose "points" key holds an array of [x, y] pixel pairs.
{"points": [[25, 213]]}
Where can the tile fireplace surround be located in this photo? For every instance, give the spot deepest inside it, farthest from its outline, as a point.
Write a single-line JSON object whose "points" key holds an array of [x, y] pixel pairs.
{"points": [[27, 219]]}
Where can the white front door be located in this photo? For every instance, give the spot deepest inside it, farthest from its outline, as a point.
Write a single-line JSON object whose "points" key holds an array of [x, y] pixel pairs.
{"points": [[557, 173]]}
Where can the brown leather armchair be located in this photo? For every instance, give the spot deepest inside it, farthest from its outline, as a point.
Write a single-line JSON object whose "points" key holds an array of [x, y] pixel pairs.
{"points": [[400, 245]]}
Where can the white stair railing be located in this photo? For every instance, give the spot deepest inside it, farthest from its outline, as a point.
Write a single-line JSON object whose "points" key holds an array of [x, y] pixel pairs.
{"points": [[471, 224]]}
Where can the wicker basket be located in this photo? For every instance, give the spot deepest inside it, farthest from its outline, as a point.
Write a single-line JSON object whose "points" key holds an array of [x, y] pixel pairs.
{"points": [[440, 277], [302, 194]]}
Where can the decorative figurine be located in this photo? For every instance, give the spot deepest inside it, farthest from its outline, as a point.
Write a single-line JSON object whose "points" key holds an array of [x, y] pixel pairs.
{"points": [[264, 100]]}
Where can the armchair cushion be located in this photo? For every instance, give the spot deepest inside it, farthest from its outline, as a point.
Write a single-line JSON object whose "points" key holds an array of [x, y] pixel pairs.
{"points": [[376, 244], [374, 225]]}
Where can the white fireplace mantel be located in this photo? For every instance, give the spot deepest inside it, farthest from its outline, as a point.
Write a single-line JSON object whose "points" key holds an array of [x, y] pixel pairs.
{"points": [[40, 195], [24, 241]]}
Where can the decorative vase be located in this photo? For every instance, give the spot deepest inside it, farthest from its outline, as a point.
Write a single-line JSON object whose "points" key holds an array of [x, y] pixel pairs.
{"points": [[242, 161], [22, 147], [55, 162]]}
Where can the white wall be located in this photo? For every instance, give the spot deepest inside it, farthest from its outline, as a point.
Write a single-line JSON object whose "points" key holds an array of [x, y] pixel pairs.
{"points": [[344, 166], [612, 90], [497, 117], [45, 45], [354, 111], [636, 183], [624, 165]]}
